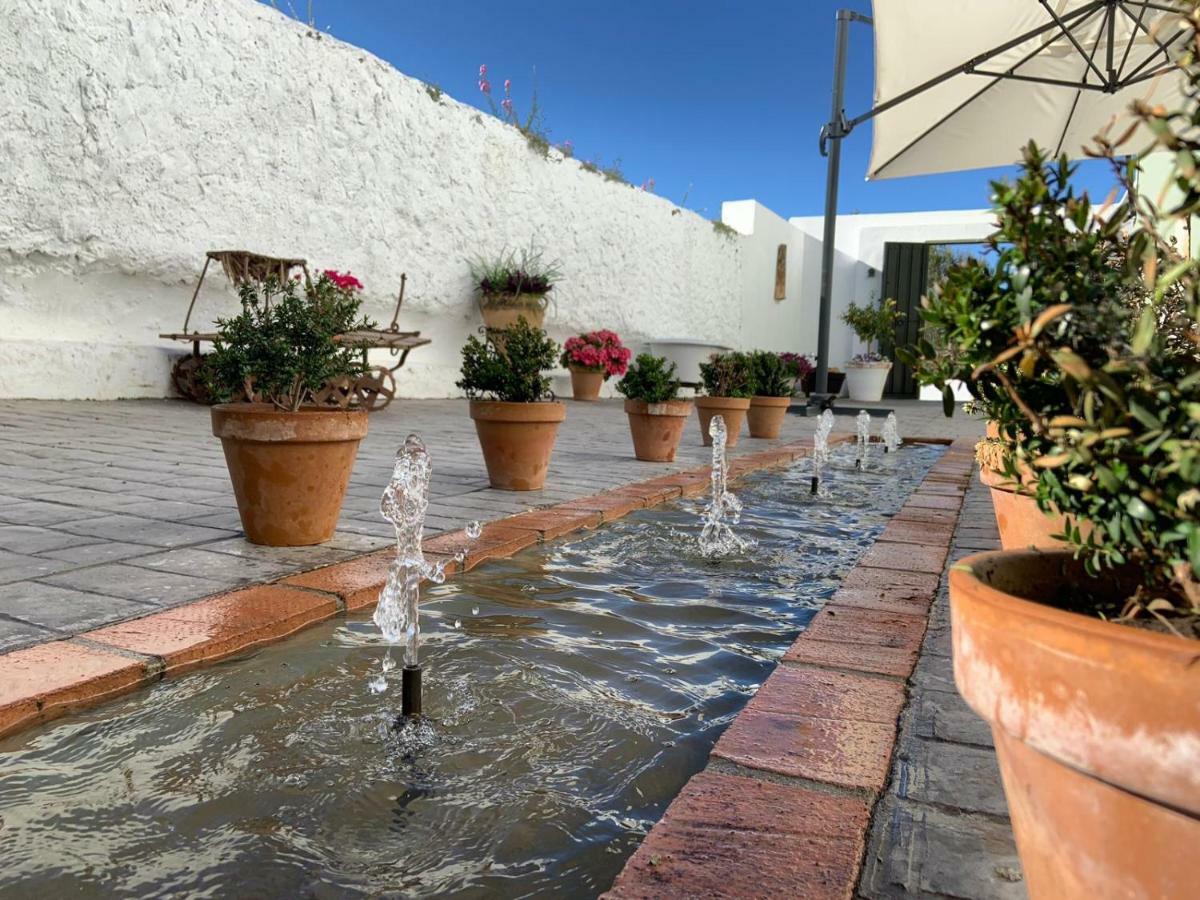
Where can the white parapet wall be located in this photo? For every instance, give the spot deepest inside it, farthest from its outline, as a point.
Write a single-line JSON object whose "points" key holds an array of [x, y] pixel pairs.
{"points": [[136, 136]]}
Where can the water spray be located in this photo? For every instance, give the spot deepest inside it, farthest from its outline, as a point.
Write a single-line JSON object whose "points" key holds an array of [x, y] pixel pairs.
{"points": [[717, 537], [862, 424], [821, 447], [890, 434], [404, 503]]}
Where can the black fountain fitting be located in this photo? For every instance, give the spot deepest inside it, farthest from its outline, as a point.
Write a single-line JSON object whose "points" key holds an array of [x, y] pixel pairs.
{"points": [[410, 692], [816, 483]]}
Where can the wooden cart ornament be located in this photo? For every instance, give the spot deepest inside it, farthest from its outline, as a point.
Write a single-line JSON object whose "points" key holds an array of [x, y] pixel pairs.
{"points": [[373, 390]]}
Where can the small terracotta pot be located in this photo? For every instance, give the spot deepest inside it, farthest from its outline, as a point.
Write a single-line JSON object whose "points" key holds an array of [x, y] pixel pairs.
{"points": [[657, 427], [1021, 524], [1097, 727], [517, 440], [732, 409], [766, 416], [289, 470], [503, 311], [586, 383]]}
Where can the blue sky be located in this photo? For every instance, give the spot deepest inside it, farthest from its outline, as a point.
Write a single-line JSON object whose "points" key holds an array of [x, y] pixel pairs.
{"points": [[713, 99]]}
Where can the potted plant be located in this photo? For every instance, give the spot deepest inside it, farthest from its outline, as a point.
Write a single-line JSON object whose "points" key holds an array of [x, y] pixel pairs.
{"points": [[1083, 659], [289, 459], [867, 372], [516, 417], [513, 286], [800, 369], [656, 413], [593, 358], [725, 379], [772, 383]]}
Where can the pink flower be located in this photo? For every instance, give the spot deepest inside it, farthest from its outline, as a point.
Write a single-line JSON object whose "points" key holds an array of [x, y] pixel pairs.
{"points": [[343, 280], [507, 105], [507, 85], [482, 72], [485, 85]]}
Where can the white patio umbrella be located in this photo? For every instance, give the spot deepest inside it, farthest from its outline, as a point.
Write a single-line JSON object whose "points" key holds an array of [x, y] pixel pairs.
{"points": [[965, 84]]}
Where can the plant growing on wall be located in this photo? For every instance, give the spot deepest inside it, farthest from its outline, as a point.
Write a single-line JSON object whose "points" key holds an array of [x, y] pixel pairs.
{"points": [[280, 349], [514, 374], [532, 126]]}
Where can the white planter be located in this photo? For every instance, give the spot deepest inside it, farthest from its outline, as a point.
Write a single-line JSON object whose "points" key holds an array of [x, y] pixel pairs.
{"points": [[866, 382], [687, 356]]}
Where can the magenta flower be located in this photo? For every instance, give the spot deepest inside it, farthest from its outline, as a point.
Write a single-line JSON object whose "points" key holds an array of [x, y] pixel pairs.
{"points": [[485, 86]]}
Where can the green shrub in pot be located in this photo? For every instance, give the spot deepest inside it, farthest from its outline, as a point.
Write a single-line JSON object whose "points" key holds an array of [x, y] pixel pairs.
{"points": [[656, 414], [727, 385]]}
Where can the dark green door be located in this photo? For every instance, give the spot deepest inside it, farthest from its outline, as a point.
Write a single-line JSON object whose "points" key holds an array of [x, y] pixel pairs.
{"points": [[905, 270]]}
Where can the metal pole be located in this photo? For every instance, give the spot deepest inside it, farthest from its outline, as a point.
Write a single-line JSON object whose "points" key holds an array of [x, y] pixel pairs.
{"points": [[832, 133]]}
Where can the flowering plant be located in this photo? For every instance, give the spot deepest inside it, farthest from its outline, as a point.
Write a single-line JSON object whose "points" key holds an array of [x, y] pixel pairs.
{"points": [[798, 365], [281, 348], [599, 351], [514, 272], [870, 358], [533, 126]]}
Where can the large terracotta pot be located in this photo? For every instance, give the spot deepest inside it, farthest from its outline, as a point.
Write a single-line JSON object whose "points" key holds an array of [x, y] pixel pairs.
{"points": [[732, 409], [586, 383], [1097, 727], [657, 427], [517, 440], [866, 382], [766, 416], [1021, 524], [289, 470], [501, 311]]}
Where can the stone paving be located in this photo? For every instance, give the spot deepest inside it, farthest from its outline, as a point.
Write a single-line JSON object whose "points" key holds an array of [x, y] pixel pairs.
{"points": [[942, 828], [114, 510]]}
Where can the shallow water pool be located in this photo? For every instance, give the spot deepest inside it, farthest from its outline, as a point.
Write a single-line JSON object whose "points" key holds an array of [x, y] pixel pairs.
{"points": [[572, 691]]}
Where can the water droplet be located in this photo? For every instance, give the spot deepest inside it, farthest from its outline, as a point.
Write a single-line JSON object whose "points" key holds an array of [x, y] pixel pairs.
{"points": [[473, 530], [458, 623], [474, 610], [378, 684]]}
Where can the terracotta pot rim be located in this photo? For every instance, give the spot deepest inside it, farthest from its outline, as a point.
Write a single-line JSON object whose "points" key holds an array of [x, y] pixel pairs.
{"points": [[711, 402], [263, 423], [770, 400], [964, 573], [592, 370], [505, 411], [681, 408], [520, 300]]}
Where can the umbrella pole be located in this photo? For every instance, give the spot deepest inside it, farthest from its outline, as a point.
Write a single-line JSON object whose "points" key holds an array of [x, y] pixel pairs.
{"points": [[831, 148]]}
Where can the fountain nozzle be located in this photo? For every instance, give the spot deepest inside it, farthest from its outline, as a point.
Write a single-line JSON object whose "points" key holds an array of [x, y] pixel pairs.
{"points": [[410, 692]]}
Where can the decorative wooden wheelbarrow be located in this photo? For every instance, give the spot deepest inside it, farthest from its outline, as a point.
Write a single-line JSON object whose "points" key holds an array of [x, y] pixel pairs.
{"points": [[372, 390]]}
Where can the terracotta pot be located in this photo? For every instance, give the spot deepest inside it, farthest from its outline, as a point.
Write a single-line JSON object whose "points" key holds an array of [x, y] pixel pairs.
{"points": [[501, 311], [517, 440], [289, 470], [586, 383], [657, 427], [732, 409], [766, 416], [1021, 524], [1097, 727]]}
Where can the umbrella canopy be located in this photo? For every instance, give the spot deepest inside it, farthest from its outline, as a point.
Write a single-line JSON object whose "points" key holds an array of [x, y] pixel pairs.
{"points": [[964, 84]]}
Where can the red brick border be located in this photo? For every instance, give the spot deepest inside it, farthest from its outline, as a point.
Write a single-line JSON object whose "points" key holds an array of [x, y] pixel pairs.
{"points": [[42, 682], [784, 807]]}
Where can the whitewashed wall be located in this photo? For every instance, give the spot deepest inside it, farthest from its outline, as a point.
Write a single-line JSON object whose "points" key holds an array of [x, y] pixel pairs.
{"points": [[135, 134]]}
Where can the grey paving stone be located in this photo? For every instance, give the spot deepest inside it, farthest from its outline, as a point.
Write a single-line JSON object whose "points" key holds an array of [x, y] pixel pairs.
{"points": [[16, 511], [99, 552], [30, 539], [63, 609], [134, 583], [19, 566], [296, 557], [946, 717], [154, 532], [950, 775], [223, 567], [921, 851], [14, 635]]}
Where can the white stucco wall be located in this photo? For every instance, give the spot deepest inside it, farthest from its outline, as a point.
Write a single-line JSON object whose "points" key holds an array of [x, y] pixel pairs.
{"points": [[136, 135]]}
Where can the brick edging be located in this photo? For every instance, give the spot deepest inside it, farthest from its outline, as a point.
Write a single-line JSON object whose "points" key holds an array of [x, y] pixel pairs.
{"points": [[47, 680], [784, 806]]}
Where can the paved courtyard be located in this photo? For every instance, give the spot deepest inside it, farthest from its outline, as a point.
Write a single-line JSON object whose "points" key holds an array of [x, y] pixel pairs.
{"points": [[110, 511]]}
